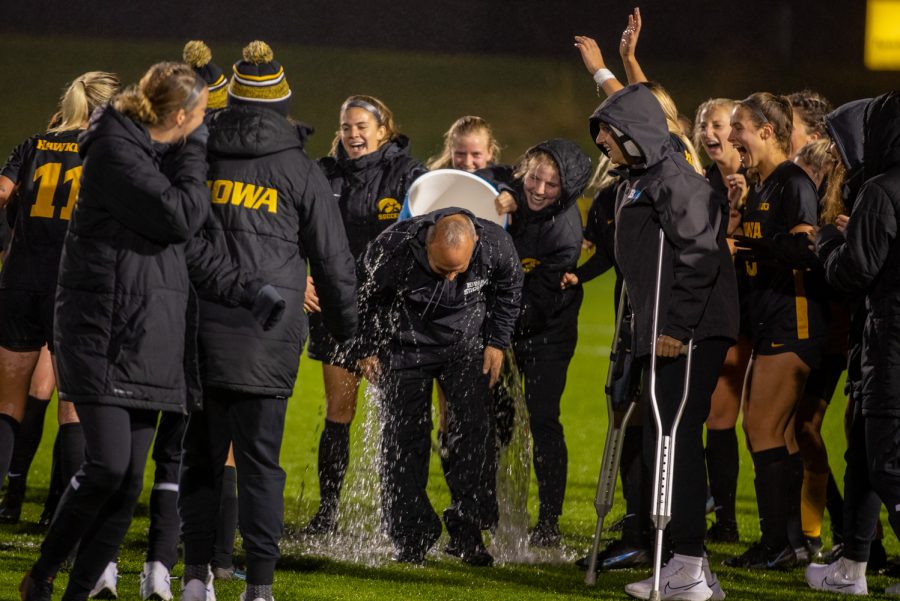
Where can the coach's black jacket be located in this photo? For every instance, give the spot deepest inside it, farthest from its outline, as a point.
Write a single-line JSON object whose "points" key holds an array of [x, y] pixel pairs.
{"points": [[370, 190], [420, 318], [125, 315], [698, 296], [549, 243], [270, 205], [868, 261]]}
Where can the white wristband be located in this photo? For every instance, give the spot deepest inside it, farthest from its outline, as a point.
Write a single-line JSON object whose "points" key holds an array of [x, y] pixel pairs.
{"points": [[603, 75]]}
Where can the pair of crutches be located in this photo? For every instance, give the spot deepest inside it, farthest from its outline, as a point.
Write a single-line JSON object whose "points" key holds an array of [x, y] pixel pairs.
{"points": [[664, 464]]}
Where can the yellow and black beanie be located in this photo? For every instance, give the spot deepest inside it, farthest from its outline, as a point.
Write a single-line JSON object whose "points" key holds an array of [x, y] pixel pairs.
{"points": [[198, 55], [259, 79]]}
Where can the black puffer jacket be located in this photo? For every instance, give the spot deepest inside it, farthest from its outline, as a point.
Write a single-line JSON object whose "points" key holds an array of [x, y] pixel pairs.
{"points": [[549, 244], [269, 200], [868, 260], [370, 190], [419, 318], [125, 315], [698, 297]]}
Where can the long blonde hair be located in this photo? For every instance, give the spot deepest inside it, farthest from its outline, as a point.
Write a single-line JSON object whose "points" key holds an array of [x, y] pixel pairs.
{"points": [[464, 126], [674, 127], [726, 104], [163, 90], [82, 96]]}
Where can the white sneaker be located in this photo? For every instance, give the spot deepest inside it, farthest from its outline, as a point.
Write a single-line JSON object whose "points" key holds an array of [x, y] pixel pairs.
{"points": [[712, 581], [675, 582], [834, 577], [197, 590], [244, 597], [155, 582], [106, 584]]}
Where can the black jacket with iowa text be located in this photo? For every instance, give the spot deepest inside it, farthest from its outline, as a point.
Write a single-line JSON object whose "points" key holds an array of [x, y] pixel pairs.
{"points": [[413, 317], [698, 297], [271, 211], [370, 190]]}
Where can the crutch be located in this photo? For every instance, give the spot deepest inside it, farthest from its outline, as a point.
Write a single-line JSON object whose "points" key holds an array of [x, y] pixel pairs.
{"points": [[664, 466], [612, 448]]}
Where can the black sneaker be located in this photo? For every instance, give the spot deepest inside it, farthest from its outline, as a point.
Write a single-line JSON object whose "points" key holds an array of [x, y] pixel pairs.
{"points": [[410, 555], [723, 532], [11, 508], [619, 556], [815, 549], [324, 522], [545, 534], [760, 557], [877, 556], [32, 589]]}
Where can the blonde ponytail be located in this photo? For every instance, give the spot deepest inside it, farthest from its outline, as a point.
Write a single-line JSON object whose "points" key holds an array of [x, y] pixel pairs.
{"points": [[83, 95], [163, 90], [133, 103]]}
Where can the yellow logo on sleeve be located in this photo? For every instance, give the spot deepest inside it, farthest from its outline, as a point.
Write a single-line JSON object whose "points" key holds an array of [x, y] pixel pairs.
{"points": [[250, 196], [388, 209], [528, 264]]}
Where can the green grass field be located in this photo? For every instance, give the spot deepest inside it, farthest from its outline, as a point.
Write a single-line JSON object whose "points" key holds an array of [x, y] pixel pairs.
{"points": [[305, 576]]}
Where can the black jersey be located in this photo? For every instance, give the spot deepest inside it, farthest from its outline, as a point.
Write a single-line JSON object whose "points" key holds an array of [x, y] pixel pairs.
{"points": [[784, 304], [47, 171]]}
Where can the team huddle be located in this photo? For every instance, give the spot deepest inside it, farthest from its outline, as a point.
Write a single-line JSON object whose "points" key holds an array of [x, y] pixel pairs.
{"points": [[159, 228]]}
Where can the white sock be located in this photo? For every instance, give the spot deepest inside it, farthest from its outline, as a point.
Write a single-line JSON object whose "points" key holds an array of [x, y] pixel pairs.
{"points": [[693, 565]]}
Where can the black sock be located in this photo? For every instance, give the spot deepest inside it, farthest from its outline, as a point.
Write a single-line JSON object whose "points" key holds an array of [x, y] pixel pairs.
{"points": [[795, 535], [771, 482], [9, 430], [228, 518], [71, 451], [835, 505], [55, 490], [722, 466], [334, 455], [162, 537], [27, 442]]}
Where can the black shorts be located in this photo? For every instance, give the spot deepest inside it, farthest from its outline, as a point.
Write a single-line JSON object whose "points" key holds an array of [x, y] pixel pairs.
{"points": [[323, 347], [26, 320], [810, 350]]}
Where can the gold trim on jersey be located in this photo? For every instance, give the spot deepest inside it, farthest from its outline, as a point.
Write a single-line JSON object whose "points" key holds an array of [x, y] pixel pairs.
{"points": [[800, 304]]}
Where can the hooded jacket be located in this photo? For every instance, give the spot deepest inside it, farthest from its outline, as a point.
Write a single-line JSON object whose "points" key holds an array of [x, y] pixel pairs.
{"points": [[868, 260], [370, 190], [845, 128], [549, 243], [270, 205], [125, 317], [698, 291], [419, 318]]}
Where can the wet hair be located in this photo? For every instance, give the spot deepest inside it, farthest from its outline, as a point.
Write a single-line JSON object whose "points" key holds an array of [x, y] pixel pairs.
{"points": [[163, 90], [671, 112], [82, 96], [452, 231], [811, 107], [775, 110], [464, 126], [833, 202], [711, 104], [816, 155], [531, 160], [383, 116]]}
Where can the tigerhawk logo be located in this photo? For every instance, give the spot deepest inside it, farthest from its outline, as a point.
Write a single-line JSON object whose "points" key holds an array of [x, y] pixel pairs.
{"points": [[528, 264], [388, 209], [250, 196]]}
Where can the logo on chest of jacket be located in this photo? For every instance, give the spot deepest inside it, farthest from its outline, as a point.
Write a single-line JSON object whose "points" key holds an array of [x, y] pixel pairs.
{"points": [[528, 264], [388, 209], [632, 195], [474, 286]]}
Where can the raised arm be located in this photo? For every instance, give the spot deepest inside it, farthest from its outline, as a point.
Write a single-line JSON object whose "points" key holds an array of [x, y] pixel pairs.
{"points": [[628, 45], [596, 66]]}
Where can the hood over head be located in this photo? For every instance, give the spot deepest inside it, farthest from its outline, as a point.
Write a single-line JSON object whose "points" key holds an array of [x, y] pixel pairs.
{"points": [[881, 147], [845, 128], [574, 171], [637, 121]]}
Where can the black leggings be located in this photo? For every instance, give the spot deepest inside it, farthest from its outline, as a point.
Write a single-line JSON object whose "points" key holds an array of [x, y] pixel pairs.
{"points": [[99, 502], [688, 526]]}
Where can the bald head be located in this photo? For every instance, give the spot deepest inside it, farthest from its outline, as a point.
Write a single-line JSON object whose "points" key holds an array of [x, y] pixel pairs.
{"points": [[449, 243]]}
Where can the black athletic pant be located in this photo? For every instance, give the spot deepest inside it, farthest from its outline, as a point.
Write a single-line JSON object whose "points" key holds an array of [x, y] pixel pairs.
{"points": [[406, 448], [688, 526], [162, 536], [872, 476], [256, 426], [99, 502], [545, 381]]}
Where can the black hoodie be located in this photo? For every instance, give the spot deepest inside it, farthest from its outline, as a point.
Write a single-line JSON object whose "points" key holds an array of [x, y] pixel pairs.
{"points": [[419, 318], [549, 244], [370, 190], [868, 260], [845, 128], [698, 294], [124, 316], [271, 204]]}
